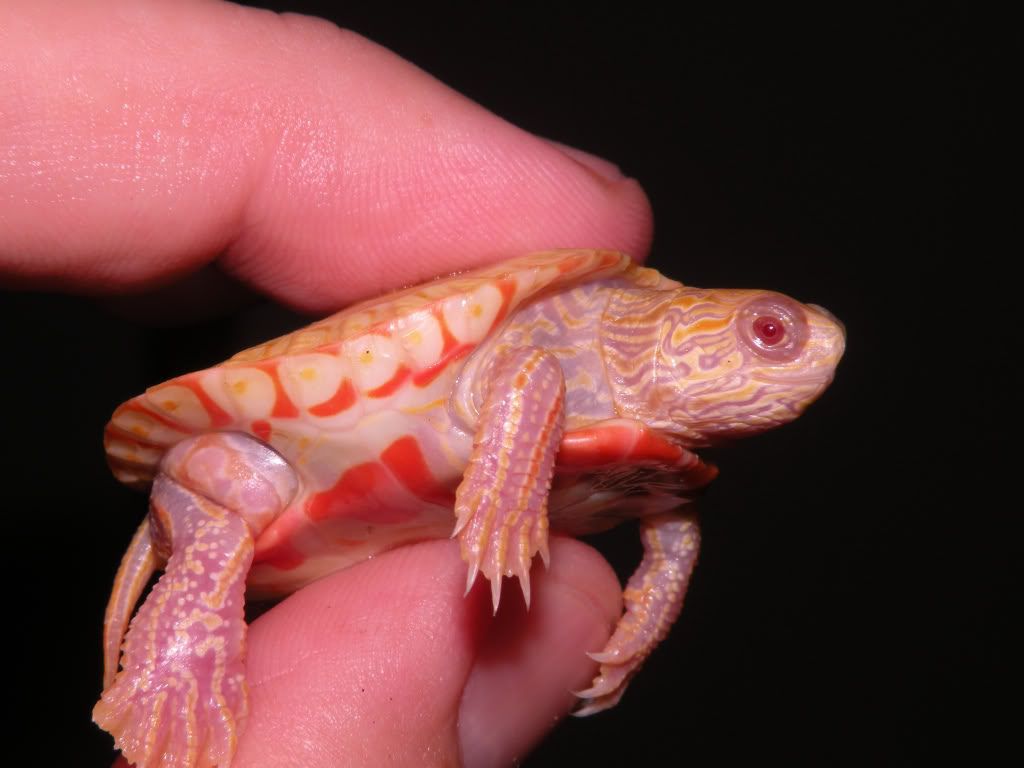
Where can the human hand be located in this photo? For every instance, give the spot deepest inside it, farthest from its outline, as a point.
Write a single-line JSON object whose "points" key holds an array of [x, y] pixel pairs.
{"points": [[140, 141]]}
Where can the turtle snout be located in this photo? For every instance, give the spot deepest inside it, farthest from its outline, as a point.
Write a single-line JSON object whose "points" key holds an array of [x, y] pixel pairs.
{"points": [[828, 315]]}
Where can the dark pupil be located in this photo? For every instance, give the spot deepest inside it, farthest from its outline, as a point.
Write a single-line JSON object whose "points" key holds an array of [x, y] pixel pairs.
{"points": [[768, 330]]}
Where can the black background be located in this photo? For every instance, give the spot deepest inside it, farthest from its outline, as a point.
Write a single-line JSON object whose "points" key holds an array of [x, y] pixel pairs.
{"points": [[852, 593]]}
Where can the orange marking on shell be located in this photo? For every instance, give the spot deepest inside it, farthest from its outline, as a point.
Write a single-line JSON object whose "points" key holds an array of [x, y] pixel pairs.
{"points": [[261, 429], [284, 408], [405, 460], [448, 340], [653, 447], [391, 386], [135, 435], [427, 375], [508, 290], [595, 446], [363, 492], [343, 399], [218, 416], [279, 553], [451, 351], [571, 264], [353, 486]]}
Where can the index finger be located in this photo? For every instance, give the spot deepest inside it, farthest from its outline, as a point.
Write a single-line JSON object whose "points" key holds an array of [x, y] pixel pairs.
{"points": [[314, 165]]}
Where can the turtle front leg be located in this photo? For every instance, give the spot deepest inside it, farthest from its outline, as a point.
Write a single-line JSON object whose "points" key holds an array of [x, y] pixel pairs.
{"points": [[180, 698], [501, 504], [653, 597]]}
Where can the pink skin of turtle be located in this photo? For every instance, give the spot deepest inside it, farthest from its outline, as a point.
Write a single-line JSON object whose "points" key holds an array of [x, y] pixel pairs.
{"points": [[562, 390]]}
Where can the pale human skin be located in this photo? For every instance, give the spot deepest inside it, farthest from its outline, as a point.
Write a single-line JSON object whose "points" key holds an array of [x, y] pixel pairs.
{"points": [[153, 138]]}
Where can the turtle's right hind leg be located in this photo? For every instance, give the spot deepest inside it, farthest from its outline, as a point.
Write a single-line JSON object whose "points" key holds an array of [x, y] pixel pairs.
{"points": [[180, 699]]}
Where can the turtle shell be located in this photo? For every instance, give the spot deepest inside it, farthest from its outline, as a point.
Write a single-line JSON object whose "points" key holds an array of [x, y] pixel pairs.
{"points": [[361, 406], [329, 374]]}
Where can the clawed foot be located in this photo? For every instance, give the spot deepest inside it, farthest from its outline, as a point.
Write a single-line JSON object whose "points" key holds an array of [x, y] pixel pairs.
{"points": [[653, 598], [181, 700], [501, 505], [507, 551]]}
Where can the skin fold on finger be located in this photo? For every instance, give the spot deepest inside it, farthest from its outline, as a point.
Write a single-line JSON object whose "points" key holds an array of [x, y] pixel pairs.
{"points": [[318, 167]]}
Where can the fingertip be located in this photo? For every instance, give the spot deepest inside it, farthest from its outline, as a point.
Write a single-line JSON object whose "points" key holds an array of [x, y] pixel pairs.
{"points": [[365, 666], [529, 663]]}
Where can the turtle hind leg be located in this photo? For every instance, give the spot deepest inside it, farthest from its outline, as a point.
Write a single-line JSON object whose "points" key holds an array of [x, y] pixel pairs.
{"points": [[180, 699], [653, 597], [501, 504]]}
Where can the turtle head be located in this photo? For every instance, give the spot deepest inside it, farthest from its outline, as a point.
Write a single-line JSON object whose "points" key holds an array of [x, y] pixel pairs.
{"points": [[731, 363]]}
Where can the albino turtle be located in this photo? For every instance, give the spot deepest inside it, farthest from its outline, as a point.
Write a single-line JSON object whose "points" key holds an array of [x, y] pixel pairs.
{"points": [[561, 389]]}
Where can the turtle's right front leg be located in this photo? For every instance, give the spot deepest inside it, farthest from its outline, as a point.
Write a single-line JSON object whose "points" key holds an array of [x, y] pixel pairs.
{"points": [[180, 698], [501, 504]]}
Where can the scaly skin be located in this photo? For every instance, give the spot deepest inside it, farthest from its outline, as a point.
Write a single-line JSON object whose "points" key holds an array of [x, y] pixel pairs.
{"points": [[501, 505], [181, 698], [563, 390]]}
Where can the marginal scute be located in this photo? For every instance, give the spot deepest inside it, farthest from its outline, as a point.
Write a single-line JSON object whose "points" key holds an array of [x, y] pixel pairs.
{"points": [[311, 379], [469, 318], [354, 323], [421, 338], [146, 427], [179, 404], [375, 360], [310, 338], [133, 452], [251, 390]]}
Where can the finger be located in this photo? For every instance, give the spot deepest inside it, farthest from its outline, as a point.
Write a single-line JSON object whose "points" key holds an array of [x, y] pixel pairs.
{"points": [[368, 667], [529, 662], [154, 137]]}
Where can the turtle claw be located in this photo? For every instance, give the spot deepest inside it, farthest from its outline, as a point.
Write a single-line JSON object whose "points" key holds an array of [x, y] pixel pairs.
{"points": [[522, 573], [460, 523], [496, 592], [604, 657], [545, 554], [524, 584], [474, 570], [492, 558], [592, 704]]}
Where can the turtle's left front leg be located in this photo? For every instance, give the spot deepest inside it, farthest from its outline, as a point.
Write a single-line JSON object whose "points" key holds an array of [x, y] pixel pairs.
{"points": [[501, 504], [653, 598]]}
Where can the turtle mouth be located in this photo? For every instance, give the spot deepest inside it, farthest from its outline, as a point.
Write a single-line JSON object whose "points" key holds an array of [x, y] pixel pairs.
{"points": [[804, 380]]}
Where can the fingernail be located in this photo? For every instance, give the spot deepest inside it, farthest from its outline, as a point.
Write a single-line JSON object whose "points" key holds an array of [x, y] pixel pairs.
{"points": [[606, 170]]}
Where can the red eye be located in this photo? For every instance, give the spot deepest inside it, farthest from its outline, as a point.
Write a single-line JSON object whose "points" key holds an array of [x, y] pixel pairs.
{"points": [[773, 327], [769, 330]]}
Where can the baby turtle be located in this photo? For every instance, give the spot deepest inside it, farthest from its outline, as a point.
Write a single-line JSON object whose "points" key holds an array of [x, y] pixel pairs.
{"points": [[562, 390]]}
